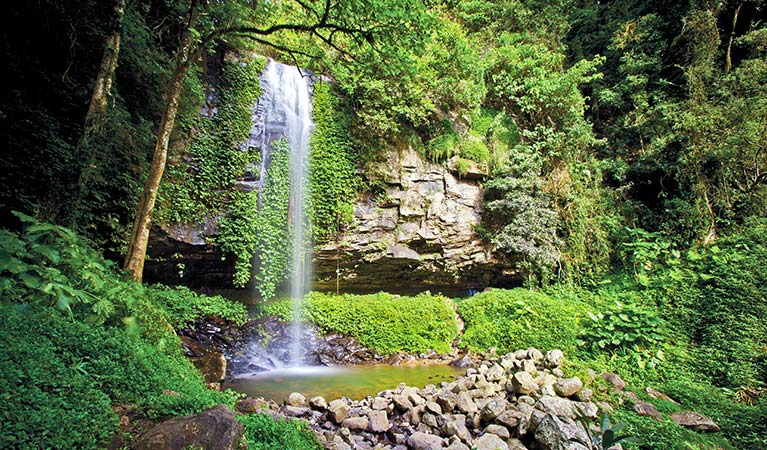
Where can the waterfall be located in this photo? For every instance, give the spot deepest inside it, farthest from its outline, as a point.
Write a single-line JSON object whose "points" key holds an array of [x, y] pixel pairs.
{"points": [[284, 111]]}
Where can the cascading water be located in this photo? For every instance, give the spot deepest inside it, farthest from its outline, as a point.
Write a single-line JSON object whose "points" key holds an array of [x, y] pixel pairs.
{"points": [[284, 111]]}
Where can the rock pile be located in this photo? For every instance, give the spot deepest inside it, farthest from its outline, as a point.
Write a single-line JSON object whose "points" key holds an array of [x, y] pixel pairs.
{"points": [[514, 402]]}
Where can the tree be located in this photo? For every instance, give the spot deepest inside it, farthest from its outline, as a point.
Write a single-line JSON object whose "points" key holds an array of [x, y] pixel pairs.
{"points": [[345, 27]]}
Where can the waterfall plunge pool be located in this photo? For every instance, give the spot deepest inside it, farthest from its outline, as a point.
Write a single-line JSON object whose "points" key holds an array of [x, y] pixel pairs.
{"points": [[355, 382]]}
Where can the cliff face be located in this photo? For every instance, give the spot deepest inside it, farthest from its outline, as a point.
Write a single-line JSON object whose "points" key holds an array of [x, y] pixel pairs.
{"points": [[419, 233]]}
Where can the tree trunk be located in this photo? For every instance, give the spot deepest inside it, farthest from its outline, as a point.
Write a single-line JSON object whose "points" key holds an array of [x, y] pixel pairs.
{"points": [[97, 108], [134, 259], [728, 59]]}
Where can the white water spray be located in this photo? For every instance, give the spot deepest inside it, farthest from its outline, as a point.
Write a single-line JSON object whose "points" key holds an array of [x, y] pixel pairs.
{"points": [[284, 110]]}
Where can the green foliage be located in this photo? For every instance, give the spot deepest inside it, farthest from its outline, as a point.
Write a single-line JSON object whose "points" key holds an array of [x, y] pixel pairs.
{"points": [[384, 322], [183, 306], [334, 181], [519, 318], [625, 327], [199, 184], [265, 433], [271, 227], [237, 235]]}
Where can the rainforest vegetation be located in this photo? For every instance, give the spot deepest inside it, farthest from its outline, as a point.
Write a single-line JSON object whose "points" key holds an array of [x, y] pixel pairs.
{"points": [[625, 147]]}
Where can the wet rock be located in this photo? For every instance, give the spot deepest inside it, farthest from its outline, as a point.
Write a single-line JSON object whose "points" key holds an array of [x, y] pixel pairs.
{"points": [[215, 428], [695, 421], [296, 399], [424, 441], [617, 382], [554, 433], [523, 383], [489, 441], [212, 366], [567, 387], [553, 359], [378, 421]]}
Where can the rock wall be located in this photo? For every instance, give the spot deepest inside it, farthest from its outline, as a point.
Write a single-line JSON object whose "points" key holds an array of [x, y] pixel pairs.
{"points": [[416, 233]]}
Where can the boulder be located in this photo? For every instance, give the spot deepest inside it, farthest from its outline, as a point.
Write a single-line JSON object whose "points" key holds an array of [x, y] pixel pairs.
{"points": [[493, 409], [523, 383], [498, 430], [489, 441], [566, 387], [695, 421], [212, 366], [215, 428], [447, 401], [338, 410], [296, 399], [554, 433], [296, 411], [617, 382], [465, 404], [646, 409], [318, 403], [250, 405], [378, 421], [553, 359], [457, 445], [424, 441], [659, 395], [380, 403], [455, 425], [356, 423]]}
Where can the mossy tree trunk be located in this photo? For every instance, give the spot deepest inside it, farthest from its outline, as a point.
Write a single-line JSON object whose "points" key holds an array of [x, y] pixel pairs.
{"points": [[134, 259]]}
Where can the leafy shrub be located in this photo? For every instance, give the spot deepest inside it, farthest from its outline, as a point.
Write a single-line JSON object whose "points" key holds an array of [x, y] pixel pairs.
{"points": [[384, 322], [265, 433], [622, 326], [184, 306], [474, 150], [519, 318]]}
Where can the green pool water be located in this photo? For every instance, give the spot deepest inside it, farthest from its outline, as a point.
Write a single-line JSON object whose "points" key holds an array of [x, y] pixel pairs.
{"points": [[355, 382]]}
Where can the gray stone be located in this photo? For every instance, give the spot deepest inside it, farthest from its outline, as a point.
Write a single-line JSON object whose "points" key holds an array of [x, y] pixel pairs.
{"points": [[401, 402], [646, 409], [553, 433], [557, 406], [490, 441], [380, 403], [378, 421], [616, 381], [455, 425], [214, 428], [585, 395], [295, 399], [553, 359], [447, 401], [338, 410], [528, 366], [534, 354], [424, 441], [356, 423], [567, 387], [318, 403], [523, 383], [498, 430], [492, 409], [457, 445], [433, 407], [659, 395], [494, 373], [336, 443], [296, 411], [465, 404], [695, 421]]}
